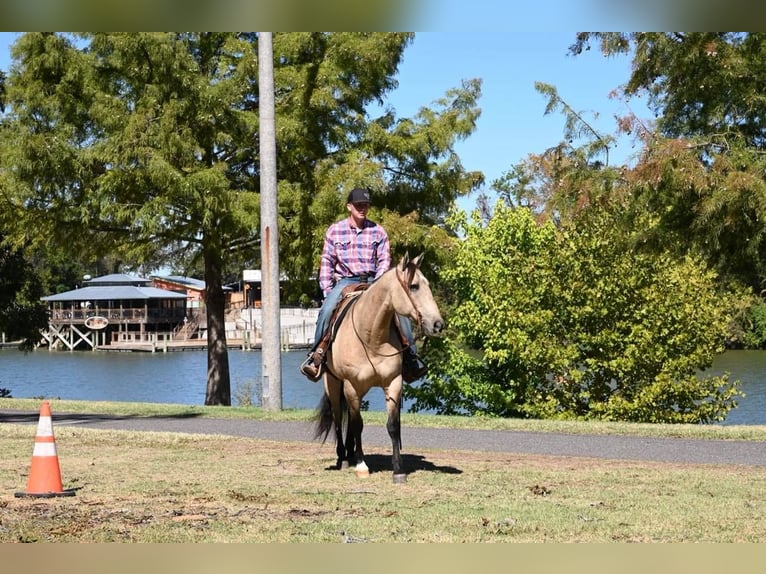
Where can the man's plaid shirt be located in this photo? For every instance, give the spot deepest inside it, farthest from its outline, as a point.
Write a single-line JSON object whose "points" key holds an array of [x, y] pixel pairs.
{"points": [[349, 252]]}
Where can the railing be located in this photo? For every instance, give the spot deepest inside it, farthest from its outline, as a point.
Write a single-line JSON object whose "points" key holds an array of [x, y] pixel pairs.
{"points": [[139, 337], [296, 325], [117, 315], [187, 330]]}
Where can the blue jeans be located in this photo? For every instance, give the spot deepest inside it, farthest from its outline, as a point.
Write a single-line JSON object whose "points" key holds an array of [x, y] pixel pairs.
{"points": [[332, 300]]}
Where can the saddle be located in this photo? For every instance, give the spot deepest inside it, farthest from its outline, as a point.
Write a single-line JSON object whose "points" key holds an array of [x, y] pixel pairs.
{"points": [[349, 295]]}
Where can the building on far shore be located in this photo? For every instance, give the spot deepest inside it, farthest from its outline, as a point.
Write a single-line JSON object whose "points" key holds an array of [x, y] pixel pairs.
{"points": [[113, 308], [194, 289], [123, 312]]}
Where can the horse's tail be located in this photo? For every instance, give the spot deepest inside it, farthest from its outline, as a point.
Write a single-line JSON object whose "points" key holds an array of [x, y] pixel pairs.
{"points": [[323, 416]]}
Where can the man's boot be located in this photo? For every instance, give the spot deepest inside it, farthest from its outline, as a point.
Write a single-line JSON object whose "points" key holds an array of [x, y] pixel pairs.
{"points": [[413, 367], [312, 366]]}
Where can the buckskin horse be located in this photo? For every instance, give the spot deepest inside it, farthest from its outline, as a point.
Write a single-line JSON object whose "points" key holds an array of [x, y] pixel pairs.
{"points": [[366, 352]]}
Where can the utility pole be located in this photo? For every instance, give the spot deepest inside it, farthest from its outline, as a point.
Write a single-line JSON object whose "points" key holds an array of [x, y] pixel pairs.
{"points": [[271, 359]]}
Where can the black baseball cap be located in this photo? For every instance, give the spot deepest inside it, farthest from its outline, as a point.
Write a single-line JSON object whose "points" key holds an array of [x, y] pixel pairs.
{"points": [[359, 195]]}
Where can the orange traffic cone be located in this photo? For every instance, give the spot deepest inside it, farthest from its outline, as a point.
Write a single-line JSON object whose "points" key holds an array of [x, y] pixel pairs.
{"points": [[45, 473]]}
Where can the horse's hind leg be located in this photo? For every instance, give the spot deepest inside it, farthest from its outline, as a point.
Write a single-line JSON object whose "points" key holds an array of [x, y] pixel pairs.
{"points": [[333, 389], [394, 428]]}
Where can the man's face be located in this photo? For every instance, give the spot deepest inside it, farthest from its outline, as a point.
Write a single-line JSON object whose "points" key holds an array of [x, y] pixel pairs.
{"points": [[358, 210]]}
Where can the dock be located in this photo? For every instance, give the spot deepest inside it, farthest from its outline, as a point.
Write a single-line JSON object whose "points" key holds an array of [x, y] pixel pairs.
{"points": [[9, 344], [243, 331]]}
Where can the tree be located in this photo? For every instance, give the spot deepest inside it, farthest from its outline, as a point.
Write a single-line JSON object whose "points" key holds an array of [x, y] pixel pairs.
{"points": [[22, 315], [569, 323], [697, 83], [144, 146], [125, 145], [328, 142], [701, 174]]}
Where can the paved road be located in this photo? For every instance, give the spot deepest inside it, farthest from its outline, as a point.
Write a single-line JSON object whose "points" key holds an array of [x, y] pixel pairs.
{"points": [[557, 444]]}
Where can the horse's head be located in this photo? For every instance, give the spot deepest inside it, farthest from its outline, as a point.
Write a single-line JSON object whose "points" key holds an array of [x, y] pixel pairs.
{"points": [[422, 309]]}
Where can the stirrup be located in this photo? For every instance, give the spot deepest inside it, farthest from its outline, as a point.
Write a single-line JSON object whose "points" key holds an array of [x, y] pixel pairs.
{"points": [[413, 367], [310, 369]]}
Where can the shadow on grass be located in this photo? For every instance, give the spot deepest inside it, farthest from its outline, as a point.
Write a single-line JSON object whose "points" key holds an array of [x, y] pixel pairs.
{"points": [[412, 463]]}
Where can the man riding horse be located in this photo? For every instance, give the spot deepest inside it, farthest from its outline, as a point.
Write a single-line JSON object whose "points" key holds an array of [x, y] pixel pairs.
{"points": [[356, 250]]}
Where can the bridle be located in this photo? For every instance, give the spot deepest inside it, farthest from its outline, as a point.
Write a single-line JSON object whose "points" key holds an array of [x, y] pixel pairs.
{"points": [[408, 292]]}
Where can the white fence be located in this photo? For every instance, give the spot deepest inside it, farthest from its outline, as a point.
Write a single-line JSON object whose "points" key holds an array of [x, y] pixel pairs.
{"points": [[296, 326]]}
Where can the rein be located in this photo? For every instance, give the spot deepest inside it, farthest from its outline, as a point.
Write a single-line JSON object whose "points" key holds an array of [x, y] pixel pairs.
{"points": [[403, 284]]}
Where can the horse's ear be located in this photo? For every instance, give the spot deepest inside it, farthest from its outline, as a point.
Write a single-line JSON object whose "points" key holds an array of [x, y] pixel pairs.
{"points": [[404, 262], [418, 260]]}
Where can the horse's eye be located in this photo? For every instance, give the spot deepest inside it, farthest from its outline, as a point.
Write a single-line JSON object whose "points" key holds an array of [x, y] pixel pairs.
{"points": [[414, 286]]}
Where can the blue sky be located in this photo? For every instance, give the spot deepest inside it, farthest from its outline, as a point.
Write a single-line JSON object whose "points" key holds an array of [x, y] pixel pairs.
{"points": [[512, 124]]}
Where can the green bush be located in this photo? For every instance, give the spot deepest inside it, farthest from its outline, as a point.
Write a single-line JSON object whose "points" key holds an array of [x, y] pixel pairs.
{"points": [[754, 336], [570, 323]]}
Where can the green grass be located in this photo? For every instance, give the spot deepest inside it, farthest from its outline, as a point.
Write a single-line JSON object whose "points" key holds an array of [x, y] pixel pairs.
{"points": [[173, 487], [169, 487]]}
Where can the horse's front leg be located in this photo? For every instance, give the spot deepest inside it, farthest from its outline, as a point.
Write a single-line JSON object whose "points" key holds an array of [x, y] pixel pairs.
{"points": [[354, 438], [349, 445], [394, 427], [340, 449]]}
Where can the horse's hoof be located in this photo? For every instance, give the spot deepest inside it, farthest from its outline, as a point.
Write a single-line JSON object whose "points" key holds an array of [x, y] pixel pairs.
{"points": [[362, 470], [400, 478], [343, 465]]}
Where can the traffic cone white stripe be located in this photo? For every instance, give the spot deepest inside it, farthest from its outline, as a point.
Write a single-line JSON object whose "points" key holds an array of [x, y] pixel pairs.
{"points": [[45, 427], [44, 449]]}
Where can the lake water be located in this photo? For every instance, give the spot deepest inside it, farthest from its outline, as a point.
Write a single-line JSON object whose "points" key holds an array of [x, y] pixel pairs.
{"points": [[749, 367], [180, 377], [177, 377]]}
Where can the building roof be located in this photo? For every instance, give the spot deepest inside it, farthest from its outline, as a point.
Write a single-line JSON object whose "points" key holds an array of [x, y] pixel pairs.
{"points": [[115, 287], [189, 282], [114, 293], [118, 279]]}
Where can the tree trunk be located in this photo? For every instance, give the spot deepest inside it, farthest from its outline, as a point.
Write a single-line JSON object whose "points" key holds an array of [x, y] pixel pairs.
{"points": [[218, 379]]}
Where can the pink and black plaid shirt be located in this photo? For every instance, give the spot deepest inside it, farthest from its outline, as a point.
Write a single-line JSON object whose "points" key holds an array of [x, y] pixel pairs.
{"points": [[349, 252]]}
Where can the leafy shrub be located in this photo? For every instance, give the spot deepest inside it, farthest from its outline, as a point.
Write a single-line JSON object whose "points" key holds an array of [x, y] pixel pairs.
{"points": [[569, 323], [248, 394], [754, 337]]}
